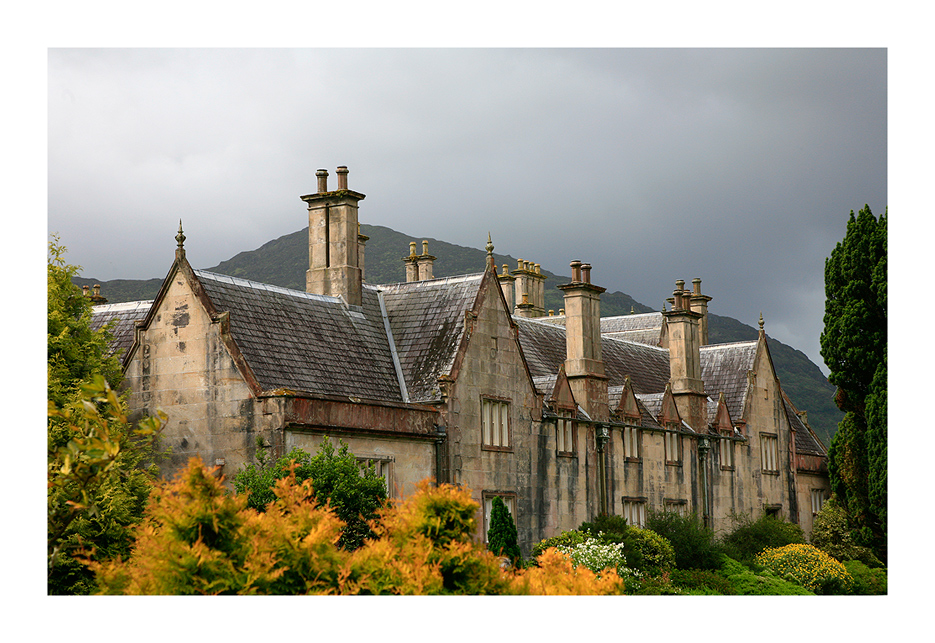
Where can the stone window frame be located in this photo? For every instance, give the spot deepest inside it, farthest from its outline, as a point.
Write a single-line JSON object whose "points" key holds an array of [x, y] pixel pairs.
{"points": [[573, 431], [638, 503], [729, 463], [769, 453], [509, 499], [672, 433], [385, 466], [680, 504], [504, 403], [632, 429], [820, 502]]}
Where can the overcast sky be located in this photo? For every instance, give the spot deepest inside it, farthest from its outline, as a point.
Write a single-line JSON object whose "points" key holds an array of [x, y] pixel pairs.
{"points": [[738, 166]]}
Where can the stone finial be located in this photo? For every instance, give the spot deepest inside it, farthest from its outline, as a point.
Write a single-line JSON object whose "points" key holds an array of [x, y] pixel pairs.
{"points": [[322, 181], [180, 237], [342, 177], [761, 322], [489, 246]]}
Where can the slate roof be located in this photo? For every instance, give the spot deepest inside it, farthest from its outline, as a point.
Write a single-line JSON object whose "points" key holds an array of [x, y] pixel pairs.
{"points": [[427, 322], [724, 370], [543, 344], [124, 315], [806, 443], [305, 342]]}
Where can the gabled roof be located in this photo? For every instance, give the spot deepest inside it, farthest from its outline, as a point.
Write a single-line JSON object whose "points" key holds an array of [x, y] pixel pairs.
{"points": [[427, 322], [307, 343], [124, 316], [724, 369]]}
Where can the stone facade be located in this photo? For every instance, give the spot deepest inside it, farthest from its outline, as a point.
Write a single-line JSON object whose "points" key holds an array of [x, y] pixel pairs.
{"points": [[467, 380]]}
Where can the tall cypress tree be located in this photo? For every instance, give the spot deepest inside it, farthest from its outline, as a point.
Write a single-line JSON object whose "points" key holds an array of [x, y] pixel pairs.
{"points": [[501, 538], [853, 345]]}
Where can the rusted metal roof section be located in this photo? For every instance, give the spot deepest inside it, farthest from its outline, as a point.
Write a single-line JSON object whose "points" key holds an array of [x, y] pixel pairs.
{"points": [[427, 322], [307, 343], [724, 369], [124, 316]]}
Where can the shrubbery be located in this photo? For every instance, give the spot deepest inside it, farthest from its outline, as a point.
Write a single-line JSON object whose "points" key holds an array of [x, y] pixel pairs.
{"points": [[750, 537], [501, 537], [832, 534], [809, 567], [694, 544], [866, 580], [353, 493]]}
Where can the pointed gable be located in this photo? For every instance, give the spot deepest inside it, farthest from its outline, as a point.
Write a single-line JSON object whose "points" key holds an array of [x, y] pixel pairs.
{"points": [[427, 319], [668, 410], [721, 421], [562, 396]]}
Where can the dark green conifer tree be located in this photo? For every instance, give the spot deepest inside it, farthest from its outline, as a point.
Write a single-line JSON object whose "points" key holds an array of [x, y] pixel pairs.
{"points": [[853, 345], [501, 538]]}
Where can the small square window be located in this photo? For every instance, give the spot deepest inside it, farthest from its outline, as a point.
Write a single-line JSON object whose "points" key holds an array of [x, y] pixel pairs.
{"points": [[726, 452], [678, 507]]}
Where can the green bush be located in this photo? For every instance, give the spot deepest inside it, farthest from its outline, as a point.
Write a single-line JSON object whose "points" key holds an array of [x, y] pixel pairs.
{"points": [[746, 582], [808, 566], [353, 493], [832, 533], [652, 554], [606, 524], [749, 538], [867, 581], [695, 546]]}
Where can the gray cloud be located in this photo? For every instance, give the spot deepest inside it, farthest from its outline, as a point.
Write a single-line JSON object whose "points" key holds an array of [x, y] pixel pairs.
{"points": [[736, 166]]}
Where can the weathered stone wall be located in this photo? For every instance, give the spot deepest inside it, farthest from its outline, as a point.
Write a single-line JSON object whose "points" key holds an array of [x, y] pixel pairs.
{"points": [[182, 366], [550, 492]]}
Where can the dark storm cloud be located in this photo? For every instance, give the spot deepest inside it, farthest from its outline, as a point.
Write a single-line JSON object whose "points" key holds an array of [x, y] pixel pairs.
{"points": [[736, 166]]}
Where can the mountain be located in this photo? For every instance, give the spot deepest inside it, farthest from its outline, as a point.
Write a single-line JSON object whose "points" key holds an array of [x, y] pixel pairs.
{"points": [[283, 262]]}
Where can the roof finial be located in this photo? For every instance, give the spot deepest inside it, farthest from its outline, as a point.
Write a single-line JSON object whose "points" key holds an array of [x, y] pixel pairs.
{"points": [[761, 321], [489, 247], [180, 237]]}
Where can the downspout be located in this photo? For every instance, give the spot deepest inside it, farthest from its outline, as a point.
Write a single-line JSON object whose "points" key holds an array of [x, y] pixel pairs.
{"points": [[703, 447], [602, 435]]}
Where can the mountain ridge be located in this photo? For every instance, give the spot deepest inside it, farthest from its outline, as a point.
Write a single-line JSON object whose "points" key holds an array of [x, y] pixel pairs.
{"points": [[283, 262]]}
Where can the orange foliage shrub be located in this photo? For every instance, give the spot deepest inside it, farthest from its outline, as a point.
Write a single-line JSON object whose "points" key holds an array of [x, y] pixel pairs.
{"points": [[199, 539]]}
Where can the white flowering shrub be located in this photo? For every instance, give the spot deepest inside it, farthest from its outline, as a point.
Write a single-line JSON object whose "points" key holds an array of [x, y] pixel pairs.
{"points": [[597, 555]]}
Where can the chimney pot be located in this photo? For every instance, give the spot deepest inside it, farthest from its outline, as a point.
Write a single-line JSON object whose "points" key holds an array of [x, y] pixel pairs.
{"points": [[575, 271], [97, 292], [506, 269], [342, 177], [86, 289], [696, 285], [412, 248], [561, 311], [322, 180], [425, 247], [519, 264], [586, 269], [538, 269]]}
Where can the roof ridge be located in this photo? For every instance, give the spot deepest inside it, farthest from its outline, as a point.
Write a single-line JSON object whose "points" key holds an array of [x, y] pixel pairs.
{"points": [[437, 280], [751, 342], [121, 305], [258, 285]]}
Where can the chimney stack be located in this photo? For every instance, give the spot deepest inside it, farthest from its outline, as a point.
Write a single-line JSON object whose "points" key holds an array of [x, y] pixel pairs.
{"points": [[684, 342], [334, 240], [425, 262], [584, 365], [506, 285]]}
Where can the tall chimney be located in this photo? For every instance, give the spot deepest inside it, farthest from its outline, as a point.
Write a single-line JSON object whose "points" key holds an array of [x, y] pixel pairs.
{"points": [[683, 327], [425, 261], [506, 285], [584, 365], [333, 241], [412, 263], [699, 304]]}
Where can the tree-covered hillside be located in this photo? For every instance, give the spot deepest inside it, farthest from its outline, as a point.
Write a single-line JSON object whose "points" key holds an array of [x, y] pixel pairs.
{"points": [[283, 262]]}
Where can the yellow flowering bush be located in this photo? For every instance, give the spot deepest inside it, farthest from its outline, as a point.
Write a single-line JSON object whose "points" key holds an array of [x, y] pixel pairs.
{"points": [[808, 566]]}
